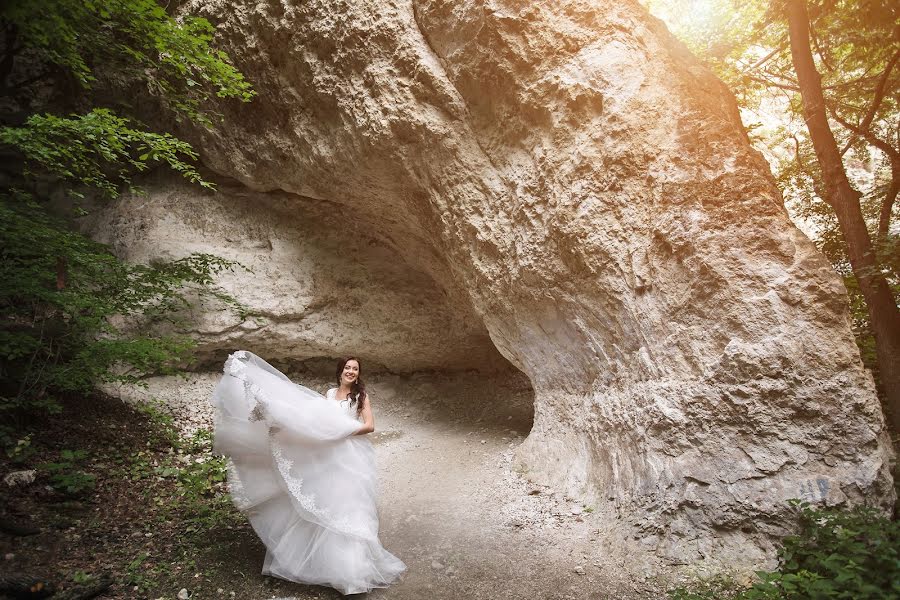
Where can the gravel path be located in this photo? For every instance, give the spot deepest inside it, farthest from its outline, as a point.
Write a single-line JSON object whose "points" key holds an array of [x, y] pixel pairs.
{"points": [[452, 505]]}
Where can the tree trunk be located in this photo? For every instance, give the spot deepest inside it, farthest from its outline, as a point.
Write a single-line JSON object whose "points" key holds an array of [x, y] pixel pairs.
{"points": [[887, 205], [883, 311]]}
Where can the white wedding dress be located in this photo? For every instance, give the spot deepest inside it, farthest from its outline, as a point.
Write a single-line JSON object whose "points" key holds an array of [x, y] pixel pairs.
{"points": [[307, 485]]}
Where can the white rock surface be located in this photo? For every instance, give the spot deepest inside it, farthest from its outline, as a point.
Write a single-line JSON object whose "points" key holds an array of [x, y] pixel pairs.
{"points": [[318, 281], [19, 478], [569, 172]]}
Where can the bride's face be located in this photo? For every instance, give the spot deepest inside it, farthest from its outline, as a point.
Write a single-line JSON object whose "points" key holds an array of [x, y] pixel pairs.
{"points": [[350, 373]]}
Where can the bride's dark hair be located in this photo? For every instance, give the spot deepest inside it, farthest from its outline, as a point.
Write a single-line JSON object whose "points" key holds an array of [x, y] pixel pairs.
{"points": [[357, 393]]}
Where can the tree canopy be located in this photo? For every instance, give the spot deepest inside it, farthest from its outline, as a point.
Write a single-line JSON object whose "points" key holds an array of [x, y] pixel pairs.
{"points": [[68, 306], [856, 45]]}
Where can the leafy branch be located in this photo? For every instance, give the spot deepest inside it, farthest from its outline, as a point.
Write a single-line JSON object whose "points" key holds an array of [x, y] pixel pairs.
{"points": [[98, 149]]}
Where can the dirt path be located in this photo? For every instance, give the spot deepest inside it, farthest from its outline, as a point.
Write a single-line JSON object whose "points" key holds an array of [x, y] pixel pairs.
{"points": [[452, 506], [469, 526]]}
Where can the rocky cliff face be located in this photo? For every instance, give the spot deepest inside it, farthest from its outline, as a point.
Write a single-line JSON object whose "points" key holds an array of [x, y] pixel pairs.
{"points": [[564, 176], [317, 279]]}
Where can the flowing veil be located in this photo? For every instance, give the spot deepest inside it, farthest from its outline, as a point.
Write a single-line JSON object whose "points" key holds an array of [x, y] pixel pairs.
{"points": [[307, 485]]}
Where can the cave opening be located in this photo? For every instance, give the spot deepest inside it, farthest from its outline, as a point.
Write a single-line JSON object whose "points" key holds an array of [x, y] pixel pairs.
{"points": [[495, 402]]}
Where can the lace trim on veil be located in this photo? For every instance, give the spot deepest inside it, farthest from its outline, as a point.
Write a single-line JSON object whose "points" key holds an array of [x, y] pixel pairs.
{"points": [[256, 400], [236, 488], [308, 501], [235, 367]]}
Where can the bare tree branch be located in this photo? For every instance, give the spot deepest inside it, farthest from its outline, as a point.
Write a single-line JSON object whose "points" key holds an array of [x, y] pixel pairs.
{"points": [[788, 83], [866, 134], [783, 86], [815, 40], [782, 46], [876, 100], [887, 206]]}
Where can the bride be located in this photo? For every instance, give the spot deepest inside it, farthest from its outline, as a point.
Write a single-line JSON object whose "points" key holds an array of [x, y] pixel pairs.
{"points": [[302, 470]]}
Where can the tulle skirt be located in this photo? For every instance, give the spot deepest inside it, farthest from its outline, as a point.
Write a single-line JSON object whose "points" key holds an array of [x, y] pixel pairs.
{"points": [[307, 485]]}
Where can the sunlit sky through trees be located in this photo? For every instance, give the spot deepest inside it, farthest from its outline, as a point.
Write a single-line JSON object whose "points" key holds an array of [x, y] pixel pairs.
{"points": [[724, 35], [705, 27], [708, 28]]}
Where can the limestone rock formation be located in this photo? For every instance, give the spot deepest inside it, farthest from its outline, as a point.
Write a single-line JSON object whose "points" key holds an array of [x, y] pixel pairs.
{"points": [[316, 279], [568, 171]]}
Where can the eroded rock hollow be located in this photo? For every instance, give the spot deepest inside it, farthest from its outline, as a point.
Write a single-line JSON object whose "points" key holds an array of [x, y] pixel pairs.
{"points": [[317, 278], [563, 177]]}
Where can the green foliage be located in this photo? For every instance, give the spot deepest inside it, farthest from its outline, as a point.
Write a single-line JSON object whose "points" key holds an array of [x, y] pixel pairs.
{"points": [[161, 422], [69, 309], [135, 39], [719, 587], [198, 498], [199, 484], [746, 44], [98, 150], [200, 478], [845, 554], [65, 474], [838, 553], [71, 314], [17, 450], [202, 484], [131, 41], [721, 32], [136, 574], [82, 578]]}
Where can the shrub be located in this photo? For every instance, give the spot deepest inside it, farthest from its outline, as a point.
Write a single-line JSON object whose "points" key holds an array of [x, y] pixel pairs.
{"points": [[837, 553], [71, 314], [69, 311]]}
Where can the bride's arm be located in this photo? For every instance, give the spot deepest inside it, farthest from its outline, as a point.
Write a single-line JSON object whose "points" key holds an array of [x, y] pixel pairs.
{"points": [[368, 418]]}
